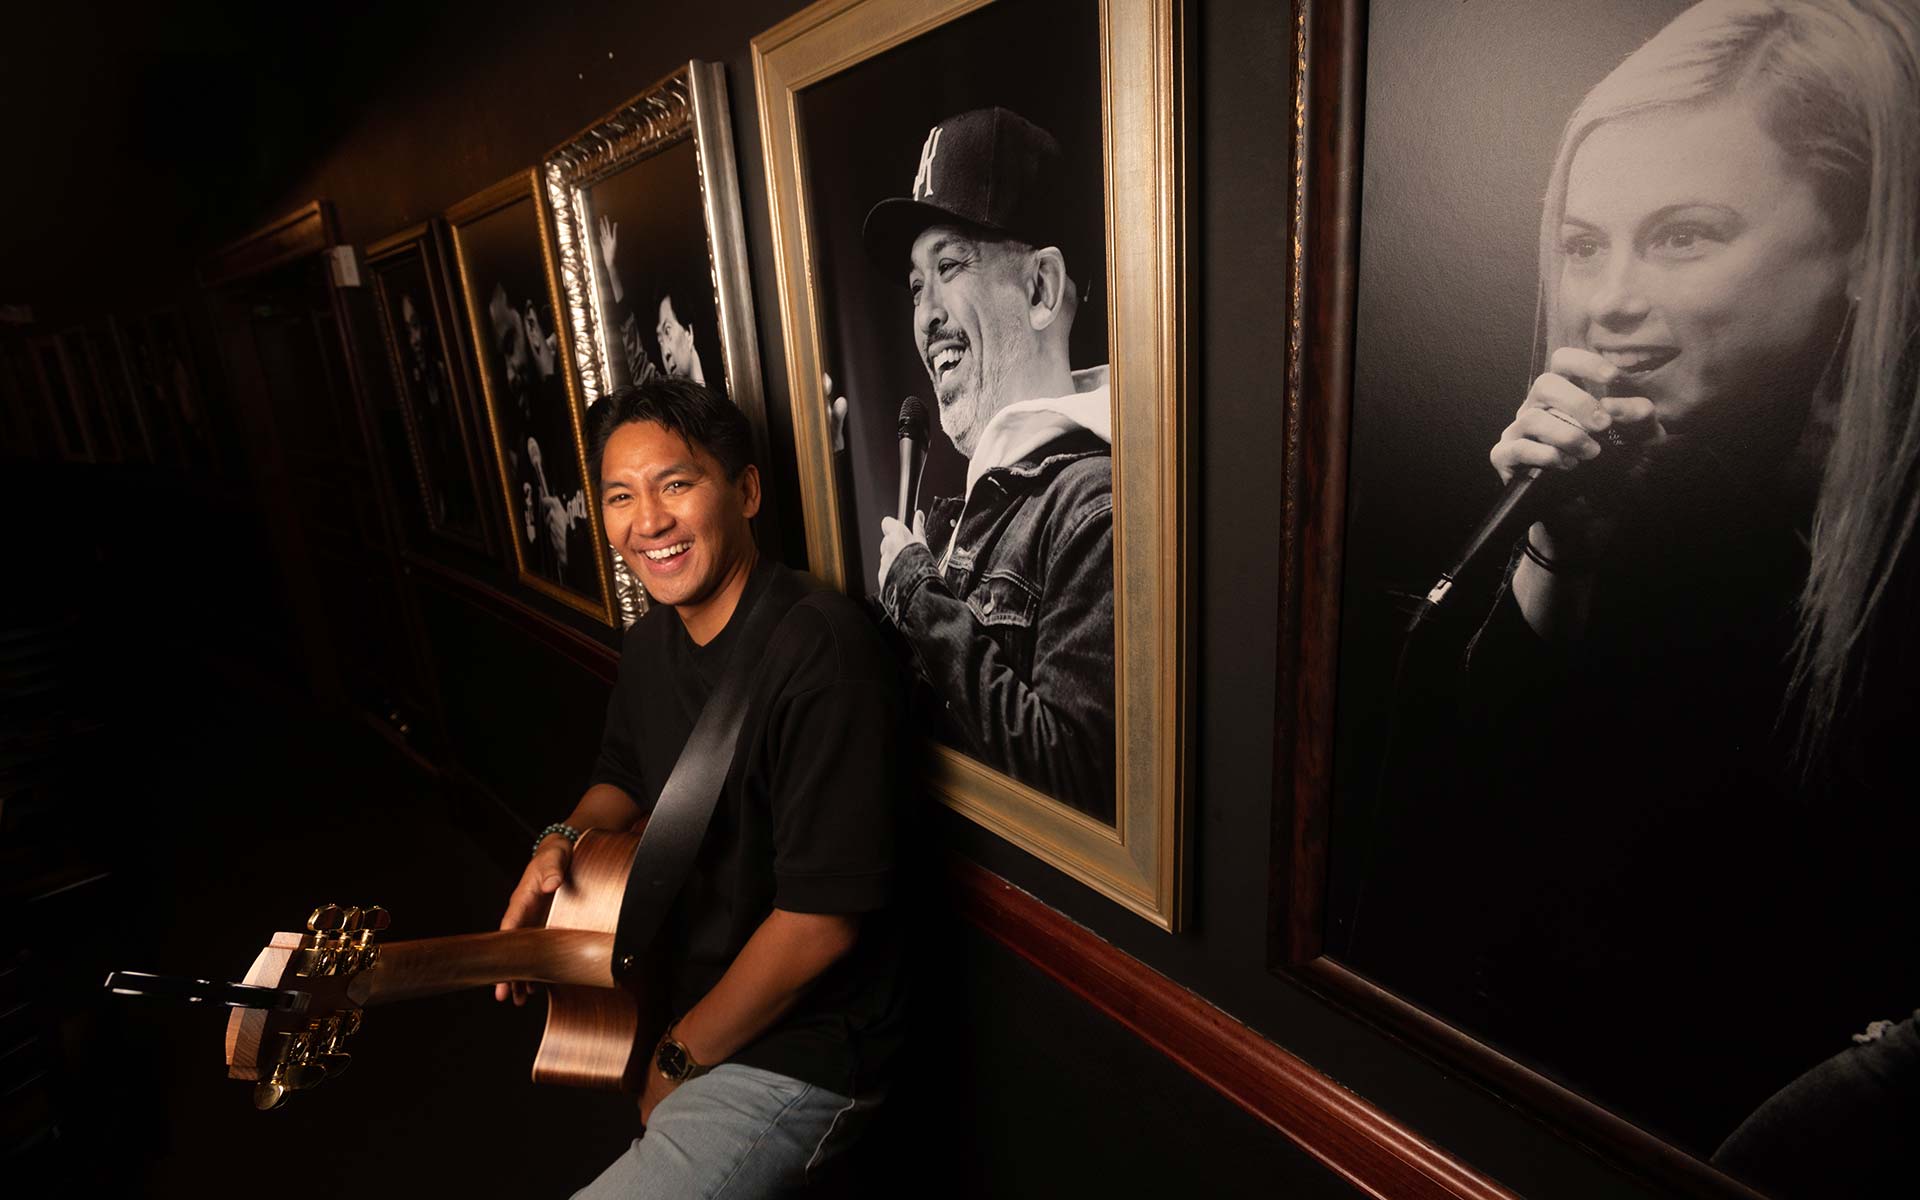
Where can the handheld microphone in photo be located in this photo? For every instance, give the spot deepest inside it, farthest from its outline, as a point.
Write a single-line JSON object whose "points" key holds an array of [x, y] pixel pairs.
{"points": [[1527, 494], [913, 456], [1514, 511]]}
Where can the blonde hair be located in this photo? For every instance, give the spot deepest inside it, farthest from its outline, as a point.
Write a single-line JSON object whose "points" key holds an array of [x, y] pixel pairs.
{"points": [[1837, 84]]}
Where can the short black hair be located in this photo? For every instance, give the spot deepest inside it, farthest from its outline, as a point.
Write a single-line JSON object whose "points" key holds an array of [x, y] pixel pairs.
{"points": [[700, 415]]}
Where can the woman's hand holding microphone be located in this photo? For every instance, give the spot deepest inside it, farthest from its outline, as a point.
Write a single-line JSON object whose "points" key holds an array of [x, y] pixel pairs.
{"points": [[1568, 420]]}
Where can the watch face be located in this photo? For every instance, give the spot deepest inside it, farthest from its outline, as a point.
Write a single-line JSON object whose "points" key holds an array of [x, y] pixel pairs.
{"points": [[672, 1059]]}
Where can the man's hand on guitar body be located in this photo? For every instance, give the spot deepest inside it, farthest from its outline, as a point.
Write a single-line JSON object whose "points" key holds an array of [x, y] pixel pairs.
{"points": [[602, 807]]}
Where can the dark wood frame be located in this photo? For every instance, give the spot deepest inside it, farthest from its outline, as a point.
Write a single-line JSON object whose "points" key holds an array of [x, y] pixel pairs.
{"points": [[83, 382], [37, 347], [24, 400], [423, 240], [1328, 81], [113, 333], [307, 233], [199, 445]]}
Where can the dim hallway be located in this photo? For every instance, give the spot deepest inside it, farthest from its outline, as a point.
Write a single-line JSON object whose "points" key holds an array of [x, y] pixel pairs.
{"points": [[167, 810], [171, 802]]}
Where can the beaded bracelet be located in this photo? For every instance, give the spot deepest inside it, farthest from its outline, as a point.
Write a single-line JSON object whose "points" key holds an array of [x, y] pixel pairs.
{"points": [[566, 831], [1547, 564]]}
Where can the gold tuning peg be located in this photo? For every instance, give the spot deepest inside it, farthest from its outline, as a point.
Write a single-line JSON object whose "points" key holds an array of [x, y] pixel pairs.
{"points": [[350, 920], [269, 1094], [374, 919], [326, 917], [301, 1076]]}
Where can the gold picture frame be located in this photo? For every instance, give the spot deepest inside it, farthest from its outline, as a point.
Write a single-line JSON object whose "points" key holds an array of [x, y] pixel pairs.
{"points": [[418, 247], [1138, 862], [463, 219], [669, 153]]}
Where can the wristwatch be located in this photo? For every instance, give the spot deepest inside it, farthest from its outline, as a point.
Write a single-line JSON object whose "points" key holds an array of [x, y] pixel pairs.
{"points": [[676, 1065]]}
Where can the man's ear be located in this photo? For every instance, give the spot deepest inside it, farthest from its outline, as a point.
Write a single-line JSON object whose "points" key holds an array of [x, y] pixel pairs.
{"points": [[749, 485], [1046, 287]]}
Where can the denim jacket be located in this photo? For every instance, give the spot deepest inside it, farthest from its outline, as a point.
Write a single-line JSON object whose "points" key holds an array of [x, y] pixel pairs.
{"points": [[1015, 632]]}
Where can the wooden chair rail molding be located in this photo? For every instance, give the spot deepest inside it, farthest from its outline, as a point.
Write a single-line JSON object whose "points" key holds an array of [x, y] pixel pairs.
{"points": [[1350, 1137]]}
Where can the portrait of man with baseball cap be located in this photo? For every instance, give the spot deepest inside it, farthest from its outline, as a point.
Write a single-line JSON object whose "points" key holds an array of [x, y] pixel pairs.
{"points": [[1004, 592]]}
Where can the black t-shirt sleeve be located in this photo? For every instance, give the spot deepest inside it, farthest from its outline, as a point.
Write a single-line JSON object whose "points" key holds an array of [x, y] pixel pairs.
{"points": [[834, 793]]}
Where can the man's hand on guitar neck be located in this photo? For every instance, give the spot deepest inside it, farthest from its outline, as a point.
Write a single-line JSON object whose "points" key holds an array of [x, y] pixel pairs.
{"points": [[603, 807], [532, 897]]}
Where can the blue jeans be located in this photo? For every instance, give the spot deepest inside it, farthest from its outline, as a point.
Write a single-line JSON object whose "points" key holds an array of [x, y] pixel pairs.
{"points": [[736, 1132]]}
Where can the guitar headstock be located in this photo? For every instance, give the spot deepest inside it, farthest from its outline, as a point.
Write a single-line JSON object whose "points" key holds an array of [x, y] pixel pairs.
{"points": [[289, 1050]]}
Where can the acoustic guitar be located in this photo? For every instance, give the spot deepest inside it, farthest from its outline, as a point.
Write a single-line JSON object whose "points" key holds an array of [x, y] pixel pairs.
{"points": [[303, 998]]}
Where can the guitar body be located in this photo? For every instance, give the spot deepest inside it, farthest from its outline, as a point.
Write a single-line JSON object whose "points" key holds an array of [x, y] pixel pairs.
{"points": [[600, 1032], [598, 1037]]}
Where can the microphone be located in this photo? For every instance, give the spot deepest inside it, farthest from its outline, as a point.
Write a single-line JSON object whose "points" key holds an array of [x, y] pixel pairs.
{"points": [[913, 456], [1527, 494]]}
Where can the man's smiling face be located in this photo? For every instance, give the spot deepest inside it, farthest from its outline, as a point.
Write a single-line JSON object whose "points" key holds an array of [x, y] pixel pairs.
{"points": [[674, 516], [971, 325]]}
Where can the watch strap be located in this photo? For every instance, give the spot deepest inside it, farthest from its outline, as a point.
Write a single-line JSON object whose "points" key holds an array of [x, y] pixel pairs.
{"points": [[691, 1068]]}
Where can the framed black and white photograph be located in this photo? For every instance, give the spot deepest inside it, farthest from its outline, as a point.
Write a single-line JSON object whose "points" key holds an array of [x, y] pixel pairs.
{"points": [[32, 424], [152, 395], [985, 341], [1599, 563], [165, 362], [90, 398], [124, 410], [409, 289], [520, 355], [54, 375], [651, 255]]}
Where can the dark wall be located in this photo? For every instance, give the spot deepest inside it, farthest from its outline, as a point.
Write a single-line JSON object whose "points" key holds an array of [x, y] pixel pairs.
{"points": [[1051, 1096]]}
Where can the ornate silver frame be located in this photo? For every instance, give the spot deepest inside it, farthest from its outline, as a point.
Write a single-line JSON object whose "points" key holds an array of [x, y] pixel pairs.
{"points": [[690, 103]]}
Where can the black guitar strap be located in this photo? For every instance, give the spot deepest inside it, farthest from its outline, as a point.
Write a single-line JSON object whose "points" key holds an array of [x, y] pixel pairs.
{"points": [[664, 857]]}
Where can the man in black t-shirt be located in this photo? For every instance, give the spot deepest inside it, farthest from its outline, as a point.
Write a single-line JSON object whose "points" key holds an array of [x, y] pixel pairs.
{"points": [[783, 944]]}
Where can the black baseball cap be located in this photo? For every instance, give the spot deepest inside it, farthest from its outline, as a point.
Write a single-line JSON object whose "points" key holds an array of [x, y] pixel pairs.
{"points": [[991, 169]]}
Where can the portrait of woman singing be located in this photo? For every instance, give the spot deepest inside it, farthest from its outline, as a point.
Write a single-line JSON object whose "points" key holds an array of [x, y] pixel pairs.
{"points": [[1683, 810]]}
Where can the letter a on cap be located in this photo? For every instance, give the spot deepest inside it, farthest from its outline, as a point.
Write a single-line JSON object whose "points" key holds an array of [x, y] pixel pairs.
{"points": [[923, 178]]}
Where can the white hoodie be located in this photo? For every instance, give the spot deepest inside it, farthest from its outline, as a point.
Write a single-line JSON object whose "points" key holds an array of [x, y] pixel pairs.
{"points": [[1018, 430]]}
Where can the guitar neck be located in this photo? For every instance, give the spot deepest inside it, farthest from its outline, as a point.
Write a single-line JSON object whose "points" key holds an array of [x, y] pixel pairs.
{"points": [[432, 966]]}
